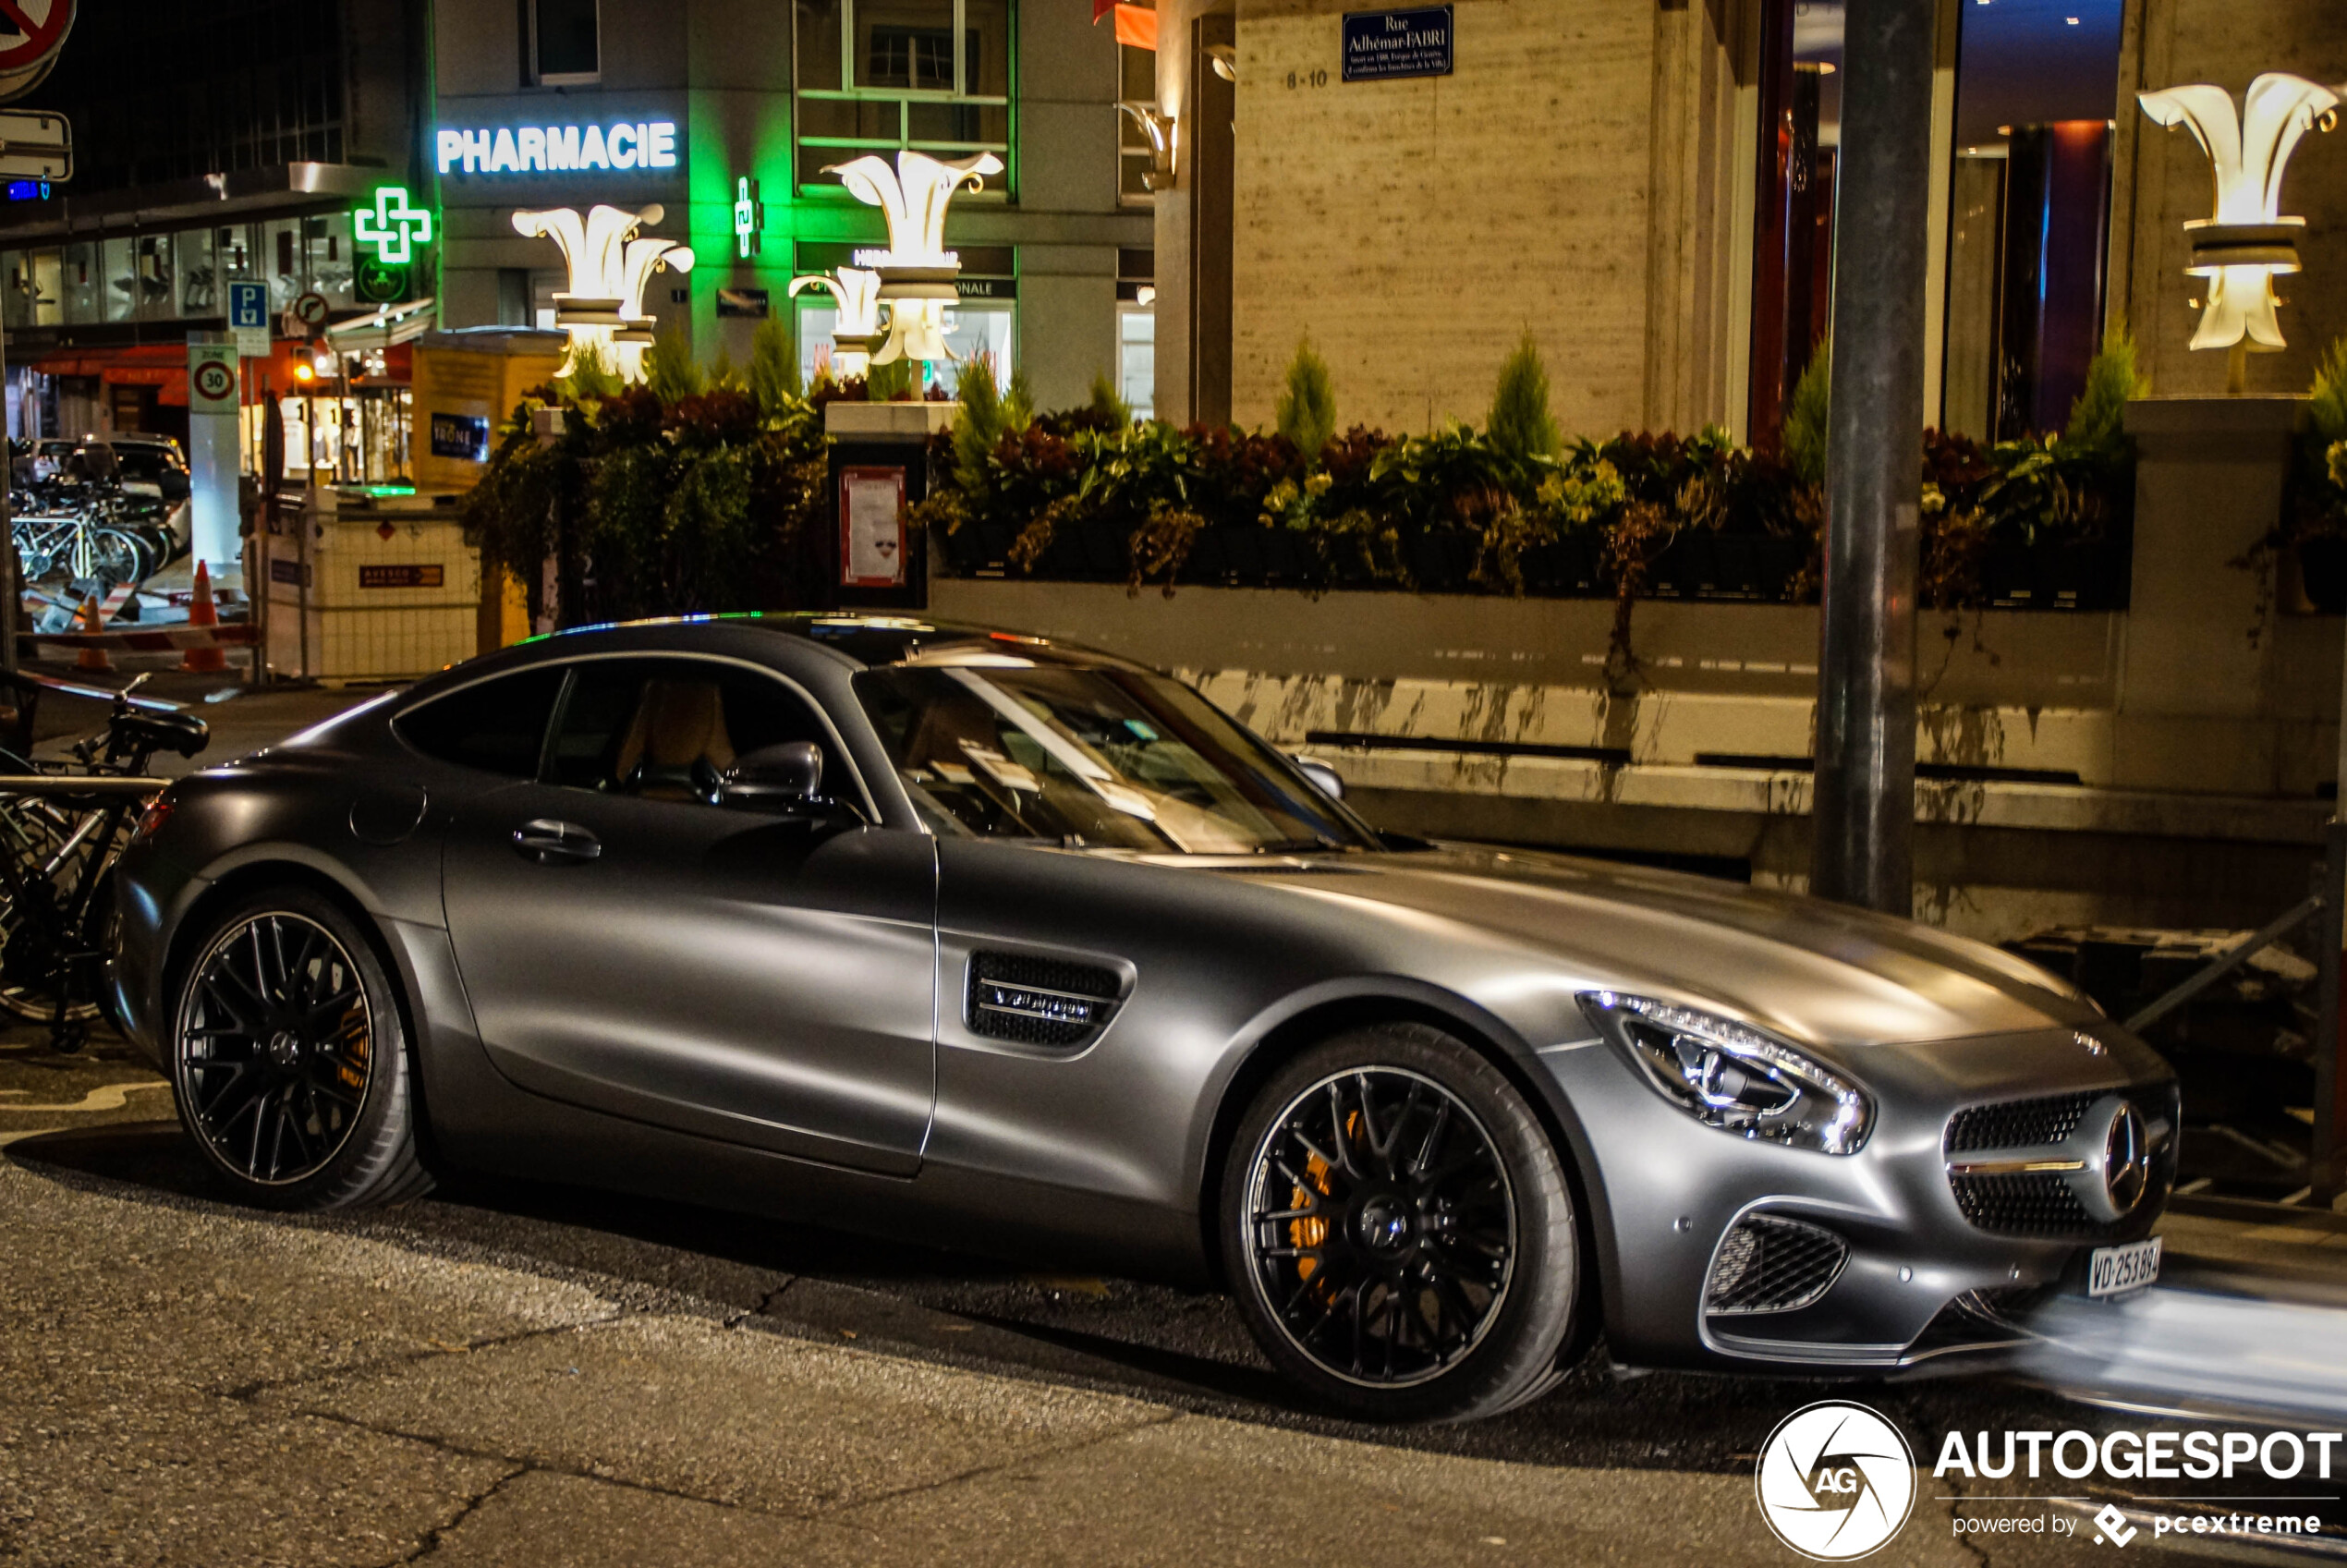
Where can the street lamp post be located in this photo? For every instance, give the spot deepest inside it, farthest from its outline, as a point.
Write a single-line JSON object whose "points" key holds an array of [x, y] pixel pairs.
{"points": [[1864, 848]]}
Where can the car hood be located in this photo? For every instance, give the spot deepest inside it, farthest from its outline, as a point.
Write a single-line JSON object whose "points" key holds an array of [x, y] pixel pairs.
{"points": [[1801, 967]]}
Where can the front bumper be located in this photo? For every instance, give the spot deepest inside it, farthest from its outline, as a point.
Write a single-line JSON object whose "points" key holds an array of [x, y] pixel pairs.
{"points": [[1881, 1267]]}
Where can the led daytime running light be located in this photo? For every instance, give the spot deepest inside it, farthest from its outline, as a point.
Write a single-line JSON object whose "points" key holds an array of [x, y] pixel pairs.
{"points": [[1729, 1076]]}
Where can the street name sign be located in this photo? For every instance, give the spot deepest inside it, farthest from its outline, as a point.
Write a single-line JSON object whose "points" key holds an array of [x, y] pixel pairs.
{"points": [[1389, 45]]}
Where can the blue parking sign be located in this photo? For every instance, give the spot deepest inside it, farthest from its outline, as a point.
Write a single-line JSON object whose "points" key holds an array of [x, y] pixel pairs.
{"points": [[248, 305]]}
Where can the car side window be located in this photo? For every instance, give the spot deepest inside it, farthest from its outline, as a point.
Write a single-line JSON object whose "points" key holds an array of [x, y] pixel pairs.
{"points": [[667, 729], [498, 727]]}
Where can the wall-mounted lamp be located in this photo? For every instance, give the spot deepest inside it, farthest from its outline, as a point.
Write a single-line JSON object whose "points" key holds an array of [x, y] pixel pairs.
{"points": [[1225, 61], [1160, 131], [2247, 241]]}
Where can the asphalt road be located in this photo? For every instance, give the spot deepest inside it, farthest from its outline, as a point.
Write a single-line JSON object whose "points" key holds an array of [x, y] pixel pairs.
{"points": [[514, 1373]]}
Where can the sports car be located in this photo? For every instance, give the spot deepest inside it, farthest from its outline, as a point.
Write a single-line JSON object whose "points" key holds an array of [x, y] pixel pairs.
{"points": [[955, 934]]}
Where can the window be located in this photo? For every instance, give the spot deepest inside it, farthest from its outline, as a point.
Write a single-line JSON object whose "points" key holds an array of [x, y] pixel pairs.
{"points": [[497, 726], [666, 729], [1136, 85], [565, 48], [875, 75], [1136, 358], [1103, 758]]}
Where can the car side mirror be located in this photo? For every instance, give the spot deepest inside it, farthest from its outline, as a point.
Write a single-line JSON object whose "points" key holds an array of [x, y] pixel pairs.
{"points": [[1331, 782], [788, 776]]}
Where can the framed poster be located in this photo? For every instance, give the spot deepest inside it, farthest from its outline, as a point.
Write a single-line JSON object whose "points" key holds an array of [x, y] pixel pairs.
{"points": [[871, 527]]}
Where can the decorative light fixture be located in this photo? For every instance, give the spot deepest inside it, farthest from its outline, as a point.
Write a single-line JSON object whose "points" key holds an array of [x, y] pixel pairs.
{"points": [[2247, 241], [1160, 130], [857, 331], [392, 226], [603, 308], [917, 272], [749, 216]]}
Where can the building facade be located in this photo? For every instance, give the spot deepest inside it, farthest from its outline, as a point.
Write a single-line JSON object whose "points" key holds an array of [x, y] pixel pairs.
{"points": [[728, 113], [214, 144], [1647, 186]]}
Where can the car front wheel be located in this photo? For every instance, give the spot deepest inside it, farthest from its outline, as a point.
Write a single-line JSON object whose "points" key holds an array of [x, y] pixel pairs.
{"points": [[289, 1059], [1399, 1230]]}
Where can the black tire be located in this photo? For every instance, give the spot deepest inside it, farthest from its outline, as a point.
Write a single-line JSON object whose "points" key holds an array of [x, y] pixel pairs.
{"points": [[263, 1065], [1450, 1281]]}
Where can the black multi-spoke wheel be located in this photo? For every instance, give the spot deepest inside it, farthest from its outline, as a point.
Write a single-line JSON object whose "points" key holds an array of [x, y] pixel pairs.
{"points": [[1399, 1229], [290, 1061], [1381, 1222]]}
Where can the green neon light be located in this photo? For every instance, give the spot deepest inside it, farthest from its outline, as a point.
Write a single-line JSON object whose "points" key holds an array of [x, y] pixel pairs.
{"points": [[392, 226], [749, 216]]}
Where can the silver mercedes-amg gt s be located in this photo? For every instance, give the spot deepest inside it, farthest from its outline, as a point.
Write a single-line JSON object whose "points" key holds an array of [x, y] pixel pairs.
{"points": [[996, 942]]}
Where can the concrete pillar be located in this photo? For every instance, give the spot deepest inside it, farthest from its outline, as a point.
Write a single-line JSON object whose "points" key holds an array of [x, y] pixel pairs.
{"points": [[2208, 486]]}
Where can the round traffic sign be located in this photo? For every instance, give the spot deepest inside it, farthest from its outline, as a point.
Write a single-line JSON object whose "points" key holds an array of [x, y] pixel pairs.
{"points": [[214, 382], [309, 309], [31, 31]]}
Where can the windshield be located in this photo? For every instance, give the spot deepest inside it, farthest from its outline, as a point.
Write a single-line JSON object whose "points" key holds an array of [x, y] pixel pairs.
{"points": [[1103, 758]]}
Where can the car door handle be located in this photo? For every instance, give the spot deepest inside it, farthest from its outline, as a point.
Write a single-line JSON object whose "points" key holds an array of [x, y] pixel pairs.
{"points": [[546, 841]]}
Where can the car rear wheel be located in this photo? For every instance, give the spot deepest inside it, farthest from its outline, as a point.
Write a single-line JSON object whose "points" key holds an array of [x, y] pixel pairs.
{"points": [[1398, 1232], [289, 1059]]}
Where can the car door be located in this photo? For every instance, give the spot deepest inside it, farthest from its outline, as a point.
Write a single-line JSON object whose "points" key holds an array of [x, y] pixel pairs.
{"points": [[631, 946]]}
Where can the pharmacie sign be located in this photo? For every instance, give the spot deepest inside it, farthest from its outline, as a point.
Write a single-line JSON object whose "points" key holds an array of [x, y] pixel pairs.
{"points": [[515, 149]]}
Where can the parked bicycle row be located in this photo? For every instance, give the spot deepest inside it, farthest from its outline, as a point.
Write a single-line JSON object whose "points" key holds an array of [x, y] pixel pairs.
{"points": [[92, 515]]}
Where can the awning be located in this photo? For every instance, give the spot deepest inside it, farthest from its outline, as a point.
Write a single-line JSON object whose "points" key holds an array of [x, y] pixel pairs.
{"points": [[159, 365], [382, 328]]}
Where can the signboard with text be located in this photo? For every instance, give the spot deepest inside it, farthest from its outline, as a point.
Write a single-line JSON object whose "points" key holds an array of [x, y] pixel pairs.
{"points": [[248, 318], [1390, 45], [460, 435]]}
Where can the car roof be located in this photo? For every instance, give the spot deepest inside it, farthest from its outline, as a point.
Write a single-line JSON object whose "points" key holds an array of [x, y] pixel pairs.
{"points": [[876, 638]]}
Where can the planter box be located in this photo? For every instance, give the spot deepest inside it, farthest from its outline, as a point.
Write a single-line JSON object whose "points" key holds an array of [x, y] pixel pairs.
{"points": [[1702, 566]]}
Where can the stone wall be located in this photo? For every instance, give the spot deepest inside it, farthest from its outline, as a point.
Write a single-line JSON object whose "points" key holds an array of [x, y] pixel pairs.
{"points": [[1573, 176]]}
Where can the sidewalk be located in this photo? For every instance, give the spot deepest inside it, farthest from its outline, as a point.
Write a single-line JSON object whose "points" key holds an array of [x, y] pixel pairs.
{"points": [[185, 1384]]}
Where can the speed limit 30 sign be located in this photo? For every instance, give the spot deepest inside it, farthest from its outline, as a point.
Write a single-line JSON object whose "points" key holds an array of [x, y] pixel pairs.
{"points": [[212, 374]]}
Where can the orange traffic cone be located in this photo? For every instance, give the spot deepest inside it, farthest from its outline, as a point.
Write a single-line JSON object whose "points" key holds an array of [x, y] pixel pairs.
{"points": [[205, 658], [92, 657]]}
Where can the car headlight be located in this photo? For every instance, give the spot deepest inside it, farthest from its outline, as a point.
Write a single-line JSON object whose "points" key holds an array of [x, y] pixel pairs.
{"points": [[1729, 1076]]}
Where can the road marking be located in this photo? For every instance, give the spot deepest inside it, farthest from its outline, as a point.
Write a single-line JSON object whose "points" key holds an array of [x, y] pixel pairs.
{"points": [[106, 1097]]}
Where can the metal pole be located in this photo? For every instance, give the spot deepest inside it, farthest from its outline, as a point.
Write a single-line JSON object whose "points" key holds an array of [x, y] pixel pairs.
{"points": [[1863, 847], [11, 590], [2324, 1174]]}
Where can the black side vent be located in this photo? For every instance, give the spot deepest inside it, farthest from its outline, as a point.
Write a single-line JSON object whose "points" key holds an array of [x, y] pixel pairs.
{"points": [[1038, 1001], [1767, 1264]]}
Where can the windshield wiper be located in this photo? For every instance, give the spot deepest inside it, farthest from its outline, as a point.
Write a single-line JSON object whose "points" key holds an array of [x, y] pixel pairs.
{"points": [[1299, 845]]}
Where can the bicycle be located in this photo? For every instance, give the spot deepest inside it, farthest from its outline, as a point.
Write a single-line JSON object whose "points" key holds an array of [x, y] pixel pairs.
{"points": [[61, 828]]}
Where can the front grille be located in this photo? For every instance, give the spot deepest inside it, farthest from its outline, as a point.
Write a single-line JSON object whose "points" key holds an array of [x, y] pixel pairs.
{"points": [[1767, 1264], [2018, 1124], [1038, 1001], [2046, 1203], [2026, 1203]]}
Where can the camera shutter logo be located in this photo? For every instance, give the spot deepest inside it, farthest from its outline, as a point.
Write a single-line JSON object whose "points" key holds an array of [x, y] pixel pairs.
{"points": [[1835, 1481]]}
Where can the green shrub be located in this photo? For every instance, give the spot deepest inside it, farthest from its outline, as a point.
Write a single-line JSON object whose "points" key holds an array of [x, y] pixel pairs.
{"points": [[669, 369], [1520, 425], [979, 428], [892, 382], [1110, 408], [1806, 417], [1306, 413], [591, 375], [2326, 408], [773, 367], [2097, 420], [1018, 403]]}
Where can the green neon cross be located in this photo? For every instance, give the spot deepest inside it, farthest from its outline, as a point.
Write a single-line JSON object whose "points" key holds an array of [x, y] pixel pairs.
{"points": [[392, 226], [748, 215]]}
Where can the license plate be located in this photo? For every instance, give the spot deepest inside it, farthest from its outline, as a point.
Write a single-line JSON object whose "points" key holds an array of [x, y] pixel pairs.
{"points": [[2110, 1271]]}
